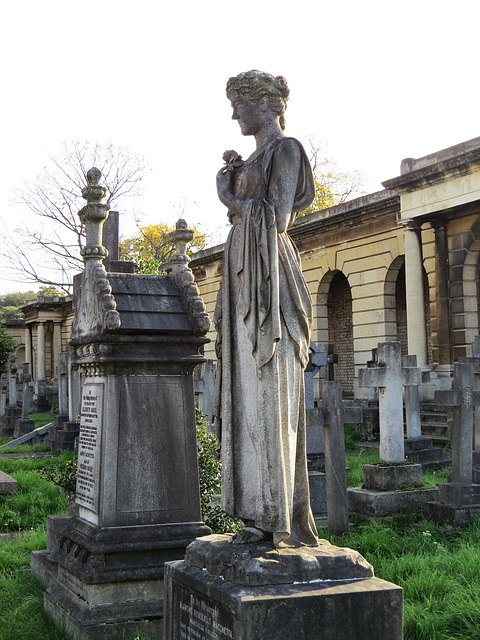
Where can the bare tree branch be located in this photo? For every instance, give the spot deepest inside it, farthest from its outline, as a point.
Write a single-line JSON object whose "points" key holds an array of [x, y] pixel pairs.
{"points": [[45, 247]]}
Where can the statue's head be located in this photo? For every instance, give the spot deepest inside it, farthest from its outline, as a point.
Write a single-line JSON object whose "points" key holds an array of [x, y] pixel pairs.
{"points": [[254, 85]]}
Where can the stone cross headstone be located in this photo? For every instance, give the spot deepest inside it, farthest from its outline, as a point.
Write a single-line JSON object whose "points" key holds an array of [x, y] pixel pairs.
{"points": [[12, 392], [462, 398], [389, 377], [332, 360], [459, 500], [315, 440]]}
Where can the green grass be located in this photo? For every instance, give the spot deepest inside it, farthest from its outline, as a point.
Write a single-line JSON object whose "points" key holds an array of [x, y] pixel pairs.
{"points": [[35, 497], [438, 567]]}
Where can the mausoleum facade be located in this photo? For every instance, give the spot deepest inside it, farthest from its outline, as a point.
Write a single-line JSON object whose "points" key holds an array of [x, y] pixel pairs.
{"points": [[399, 264]]}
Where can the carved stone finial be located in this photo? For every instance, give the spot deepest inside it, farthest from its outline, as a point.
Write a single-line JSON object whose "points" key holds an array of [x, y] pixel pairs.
{"points": [[181, 236], [93, 215], [98, 292]]}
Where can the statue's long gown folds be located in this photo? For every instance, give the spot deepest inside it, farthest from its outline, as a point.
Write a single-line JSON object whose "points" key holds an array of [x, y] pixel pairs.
{"points": [[263, 318]]}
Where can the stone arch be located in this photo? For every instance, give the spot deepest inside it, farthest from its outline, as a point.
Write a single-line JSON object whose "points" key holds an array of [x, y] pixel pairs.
{"points": [[395, 303], [335, 325], [20, 356], [471, 293]]}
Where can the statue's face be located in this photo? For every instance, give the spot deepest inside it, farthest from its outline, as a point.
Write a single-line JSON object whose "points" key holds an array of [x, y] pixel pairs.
{"points": [[250, 116]]}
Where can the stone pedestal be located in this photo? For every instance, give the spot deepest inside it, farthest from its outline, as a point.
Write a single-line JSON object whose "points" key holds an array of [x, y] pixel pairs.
{"points": [[136, 339], [389, 489], [421, 450], [222, 592], [23, 426], [12, 414], [63, 434]]}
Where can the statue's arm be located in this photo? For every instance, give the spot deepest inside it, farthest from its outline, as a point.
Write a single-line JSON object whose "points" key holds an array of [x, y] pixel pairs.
{"points": [[284, 171], [225, 195]]}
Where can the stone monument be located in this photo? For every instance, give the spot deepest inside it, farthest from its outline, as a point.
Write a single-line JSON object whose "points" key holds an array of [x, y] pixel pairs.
{"points": [[273, 578], [385, 485], [25, 424], [459, 499], [136, 339], [12, 410]]}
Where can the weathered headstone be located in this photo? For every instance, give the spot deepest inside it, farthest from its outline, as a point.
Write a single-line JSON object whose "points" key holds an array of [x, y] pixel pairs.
{"points": [[12, 410], [459, 499], [388, 378], [334, 416], [385, 484], [418, 448], [25, 424], [3, 396], [137, 340], [315, 439], [60, 436]]}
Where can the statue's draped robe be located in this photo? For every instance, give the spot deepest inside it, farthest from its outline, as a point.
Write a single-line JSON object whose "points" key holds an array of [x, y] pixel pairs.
{"points": [[263, 318]]}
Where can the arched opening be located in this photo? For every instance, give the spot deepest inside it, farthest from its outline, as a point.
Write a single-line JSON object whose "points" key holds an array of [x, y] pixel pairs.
{"points": [[340, 330]]}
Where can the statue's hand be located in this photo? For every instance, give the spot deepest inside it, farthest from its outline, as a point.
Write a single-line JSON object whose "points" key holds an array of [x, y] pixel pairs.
{"points": [[224, 179]]}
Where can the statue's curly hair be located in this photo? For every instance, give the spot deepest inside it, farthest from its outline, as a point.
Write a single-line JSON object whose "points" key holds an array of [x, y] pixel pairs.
{"points": [[254, 85]]}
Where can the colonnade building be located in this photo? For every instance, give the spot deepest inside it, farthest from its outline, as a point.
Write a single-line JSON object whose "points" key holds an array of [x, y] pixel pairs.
{"points": [[399, 264]]}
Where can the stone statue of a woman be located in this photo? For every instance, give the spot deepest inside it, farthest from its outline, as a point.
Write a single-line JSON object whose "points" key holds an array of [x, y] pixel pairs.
{"points": [[263, 319]]}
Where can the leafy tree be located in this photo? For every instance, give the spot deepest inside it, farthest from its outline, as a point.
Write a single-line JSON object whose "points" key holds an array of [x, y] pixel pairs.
{"points": [[10, 304], [152, 247], [332, 186], [50, 292], [47, 251], [7, 346]]}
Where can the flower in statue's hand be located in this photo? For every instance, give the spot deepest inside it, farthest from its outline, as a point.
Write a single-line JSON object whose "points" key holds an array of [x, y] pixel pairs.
{"points": [[232, 160]]}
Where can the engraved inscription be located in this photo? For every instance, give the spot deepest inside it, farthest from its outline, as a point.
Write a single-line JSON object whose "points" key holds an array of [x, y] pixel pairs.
{"points": [[199, 620], [88, 471]]}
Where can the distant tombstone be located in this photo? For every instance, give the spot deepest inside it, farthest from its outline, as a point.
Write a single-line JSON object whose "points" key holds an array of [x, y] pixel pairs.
{"points": [[12, 410], [334, 416], [3, 396], [459, 499], [25, 424], [62, 385], [412, 397], [389, 377], [136, 339], [332, 360], [315, 439], [12, 391]]}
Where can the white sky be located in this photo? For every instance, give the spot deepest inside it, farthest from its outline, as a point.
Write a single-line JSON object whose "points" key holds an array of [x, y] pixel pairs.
{"points": [[377, 81]]}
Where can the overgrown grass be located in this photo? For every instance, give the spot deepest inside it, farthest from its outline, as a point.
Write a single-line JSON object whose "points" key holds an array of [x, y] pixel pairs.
{"points": [[438, 567], [35, 498]]}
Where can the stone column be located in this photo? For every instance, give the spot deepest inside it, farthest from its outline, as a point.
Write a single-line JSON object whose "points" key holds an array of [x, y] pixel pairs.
{"points": [[41, 351], [57, 344], [416, 320], [28, 346], [444, 329]]}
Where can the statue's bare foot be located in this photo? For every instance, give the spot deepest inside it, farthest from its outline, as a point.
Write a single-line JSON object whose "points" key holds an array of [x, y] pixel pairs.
{"points": [[251, 535]]}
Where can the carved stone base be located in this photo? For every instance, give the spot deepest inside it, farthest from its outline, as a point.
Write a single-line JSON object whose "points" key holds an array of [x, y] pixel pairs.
{"points": [[104, 582], [223, 592]]}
